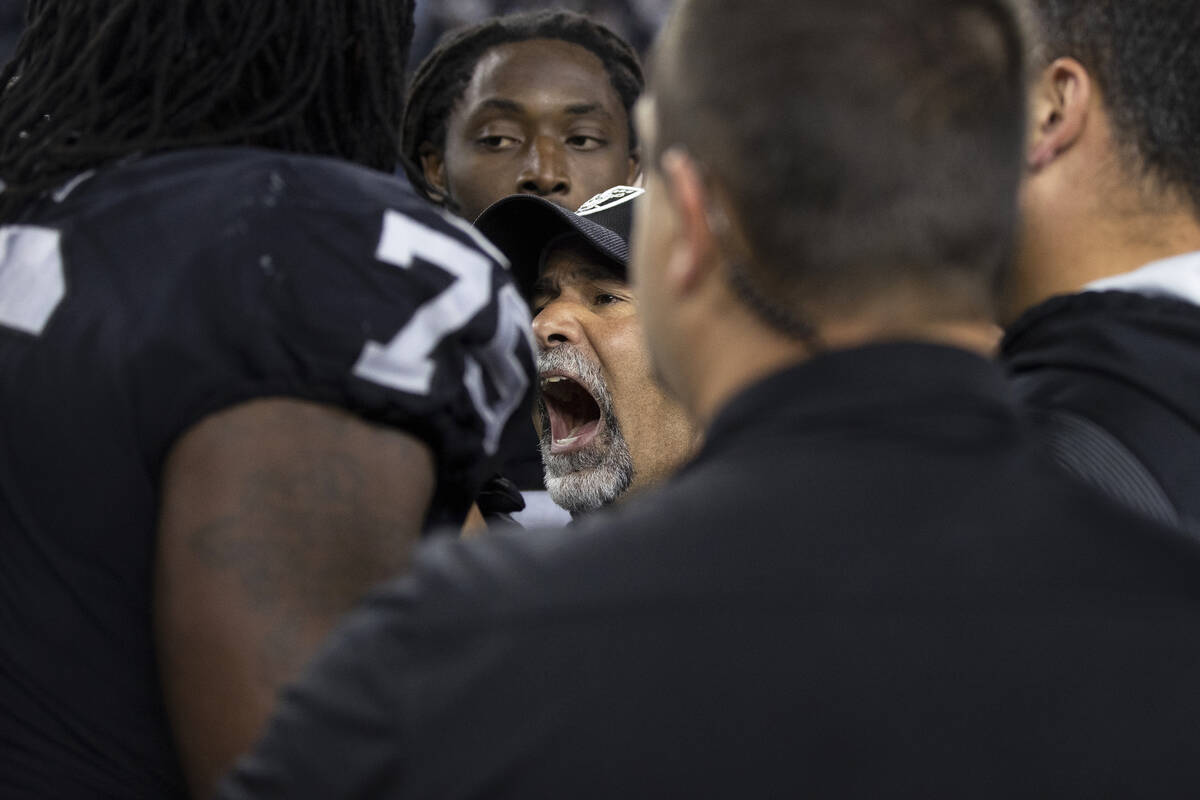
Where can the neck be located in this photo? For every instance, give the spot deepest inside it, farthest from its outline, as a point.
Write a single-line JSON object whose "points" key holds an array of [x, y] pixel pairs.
{"points": [[1097, 243], [1123, 245]]}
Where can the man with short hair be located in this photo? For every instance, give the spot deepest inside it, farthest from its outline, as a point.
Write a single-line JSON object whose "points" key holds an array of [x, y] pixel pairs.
{"points": [[607, 430], [530, 103], [870, 581], [242, 368], [1107, 351]]}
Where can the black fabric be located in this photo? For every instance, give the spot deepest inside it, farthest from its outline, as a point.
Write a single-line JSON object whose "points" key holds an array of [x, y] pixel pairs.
{"points": [[871, 582], [1094, 455], [523, 225], [499, 499], [194, 281], [1129, 365]]}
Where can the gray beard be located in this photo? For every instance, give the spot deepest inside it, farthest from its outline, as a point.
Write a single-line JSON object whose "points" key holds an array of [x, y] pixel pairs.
{"points": [[587, 479]]}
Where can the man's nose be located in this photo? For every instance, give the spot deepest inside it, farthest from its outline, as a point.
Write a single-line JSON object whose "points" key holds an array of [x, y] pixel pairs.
{"points": [[545, 169], [557, 323]]}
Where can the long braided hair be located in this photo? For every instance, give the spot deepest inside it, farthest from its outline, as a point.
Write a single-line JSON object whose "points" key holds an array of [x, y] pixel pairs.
{"points": [[96, 80]]}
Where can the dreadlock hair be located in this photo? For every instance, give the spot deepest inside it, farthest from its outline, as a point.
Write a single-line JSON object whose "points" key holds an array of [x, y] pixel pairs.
{"points": [[443, 76], [1144, 57], [93, 81]]}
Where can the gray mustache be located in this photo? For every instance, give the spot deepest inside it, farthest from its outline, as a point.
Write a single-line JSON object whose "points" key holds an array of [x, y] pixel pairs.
{"points": [[568, 359]]}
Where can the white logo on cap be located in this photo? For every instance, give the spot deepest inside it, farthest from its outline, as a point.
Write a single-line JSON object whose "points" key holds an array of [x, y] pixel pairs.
{"points": [[609, 198]]}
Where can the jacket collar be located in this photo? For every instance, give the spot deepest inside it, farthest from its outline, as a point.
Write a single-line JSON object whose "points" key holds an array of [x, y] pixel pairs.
{"points": [[886, 382], [1148, 343]]}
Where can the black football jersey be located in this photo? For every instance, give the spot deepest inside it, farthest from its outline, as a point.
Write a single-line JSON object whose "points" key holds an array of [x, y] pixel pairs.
{"points": [[143, 297]]}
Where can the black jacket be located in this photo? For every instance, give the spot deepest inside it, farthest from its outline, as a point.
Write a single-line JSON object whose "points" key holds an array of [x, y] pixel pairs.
{"points": [[1114, 381], [868, 583]]}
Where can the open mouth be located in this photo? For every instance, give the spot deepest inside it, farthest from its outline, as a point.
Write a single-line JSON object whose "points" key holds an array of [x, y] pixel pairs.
{"points": [[574, 414]]}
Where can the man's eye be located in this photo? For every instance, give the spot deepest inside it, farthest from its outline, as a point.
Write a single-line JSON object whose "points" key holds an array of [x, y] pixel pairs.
{"points": [[604, 299], [585, 142], [496, 142]]}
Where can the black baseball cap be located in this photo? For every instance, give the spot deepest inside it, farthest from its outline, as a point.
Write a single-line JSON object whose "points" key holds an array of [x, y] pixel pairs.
{"points": [[523, 225]]}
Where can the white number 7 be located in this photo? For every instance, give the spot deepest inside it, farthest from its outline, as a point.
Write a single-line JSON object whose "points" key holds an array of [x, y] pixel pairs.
{"points": [[406, 362]]}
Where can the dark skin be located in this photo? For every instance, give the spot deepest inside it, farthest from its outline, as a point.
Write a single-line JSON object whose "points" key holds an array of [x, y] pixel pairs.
{"points": [[276, 516], [538, 117]]}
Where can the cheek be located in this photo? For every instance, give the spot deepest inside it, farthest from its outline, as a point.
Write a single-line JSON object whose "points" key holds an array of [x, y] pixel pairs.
{"points": [[476, 182], [592, 174], [616, 170]]}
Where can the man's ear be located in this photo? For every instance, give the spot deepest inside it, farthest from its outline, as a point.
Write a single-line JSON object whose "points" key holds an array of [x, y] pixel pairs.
{"points": [[635, 167], [690, 197], [1059, 110], [433, 166]]}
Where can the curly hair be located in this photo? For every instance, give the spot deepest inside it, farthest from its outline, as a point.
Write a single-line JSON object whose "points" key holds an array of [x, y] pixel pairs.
{"points": [[96, 80]]}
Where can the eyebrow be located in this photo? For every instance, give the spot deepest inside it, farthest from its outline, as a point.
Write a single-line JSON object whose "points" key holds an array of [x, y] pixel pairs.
{"points": [[500, 104], [583, 109]]}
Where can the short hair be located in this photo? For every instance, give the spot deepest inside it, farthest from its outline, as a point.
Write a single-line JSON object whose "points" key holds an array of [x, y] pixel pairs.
{"points": [[1144, 56], [93, 81], [442, 77], [858, 143]]}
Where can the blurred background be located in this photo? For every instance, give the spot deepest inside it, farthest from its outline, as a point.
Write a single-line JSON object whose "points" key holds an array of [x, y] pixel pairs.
{"points": [[12, 14], [636, 20]]}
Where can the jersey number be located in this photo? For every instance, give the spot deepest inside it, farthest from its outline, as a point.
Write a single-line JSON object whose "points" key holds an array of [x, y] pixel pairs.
{"points": [[31, 277], [32, 285], [406, 362]]}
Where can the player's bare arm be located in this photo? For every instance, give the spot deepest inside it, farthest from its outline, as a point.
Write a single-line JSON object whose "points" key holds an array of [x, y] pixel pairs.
{"points": [[276, 516]]}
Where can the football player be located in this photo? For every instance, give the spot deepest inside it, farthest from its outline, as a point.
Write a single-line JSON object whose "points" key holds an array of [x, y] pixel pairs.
{"points": [[239, 374]]}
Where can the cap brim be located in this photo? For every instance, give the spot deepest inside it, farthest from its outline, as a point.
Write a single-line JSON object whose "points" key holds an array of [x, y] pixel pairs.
{"points": [[522, 225]]}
